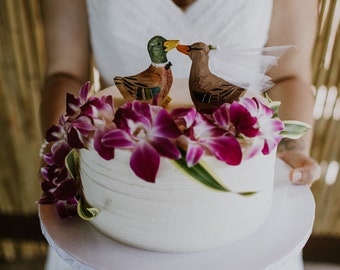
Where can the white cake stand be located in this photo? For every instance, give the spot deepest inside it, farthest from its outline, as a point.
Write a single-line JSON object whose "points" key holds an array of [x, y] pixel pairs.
{"points": [[283, 235]]}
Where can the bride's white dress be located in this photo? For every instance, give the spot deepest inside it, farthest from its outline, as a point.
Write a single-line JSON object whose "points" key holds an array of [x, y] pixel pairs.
{"points": [[120, 30]]}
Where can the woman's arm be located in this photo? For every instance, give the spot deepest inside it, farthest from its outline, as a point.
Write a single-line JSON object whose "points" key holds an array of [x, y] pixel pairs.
{"points": [[67, 54], [294, 22]]}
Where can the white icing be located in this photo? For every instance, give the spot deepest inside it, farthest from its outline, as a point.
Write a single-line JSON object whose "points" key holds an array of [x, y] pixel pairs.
{"points": [[176, 214]]}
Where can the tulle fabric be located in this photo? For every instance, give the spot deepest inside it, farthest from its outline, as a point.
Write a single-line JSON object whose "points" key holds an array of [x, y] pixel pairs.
{"points": [[246, 68]]}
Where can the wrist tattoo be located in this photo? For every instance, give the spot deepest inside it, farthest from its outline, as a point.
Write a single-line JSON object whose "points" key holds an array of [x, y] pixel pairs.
{"points": [[287, 144]]}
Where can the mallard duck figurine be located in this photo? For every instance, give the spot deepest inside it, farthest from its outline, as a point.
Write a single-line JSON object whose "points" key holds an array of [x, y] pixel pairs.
{"points": [[206, 89], [153, 84]]}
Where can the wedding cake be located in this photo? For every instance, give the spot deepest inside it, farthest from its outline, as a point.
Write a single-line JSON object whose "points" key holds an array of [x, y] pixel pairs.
{"points": [[176, 214], [170, 176]]}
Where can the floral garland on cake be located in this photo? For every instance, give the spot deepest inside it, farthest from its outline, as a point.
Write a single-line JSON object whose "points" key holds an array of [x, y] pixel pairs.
{"points": [[230, 133]]}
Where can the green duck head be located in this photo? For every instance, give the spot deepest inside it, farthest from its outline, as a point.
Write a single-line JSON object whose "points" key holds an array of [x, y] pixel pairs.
{"points": [[158, 48]]}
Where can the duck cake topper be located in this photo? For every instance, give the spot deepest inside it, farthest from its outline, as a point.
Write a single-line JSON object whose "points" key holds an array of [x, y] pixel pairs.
{"points": [[223, 75], [153, 84], [206, 89]]}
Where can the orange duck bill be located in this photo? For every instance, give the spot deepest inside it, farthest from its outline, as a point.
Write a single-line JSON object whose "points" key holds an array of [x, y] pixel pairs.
{"points": [[183, 49], [187, 48]]}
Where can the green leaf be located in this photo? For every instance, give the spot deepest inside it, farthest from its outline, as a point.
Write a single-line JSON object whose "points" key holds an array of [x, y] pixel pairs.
{"points": [[247, 193], [294, 129], [274, 105], [203, 173], [199, 173], [85, 211], [72, 163]]}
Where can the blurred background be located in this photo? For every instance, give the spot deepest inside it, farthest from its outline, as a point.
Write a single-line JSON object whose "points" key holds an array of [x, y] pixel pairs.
{"points": [[21, 72]]}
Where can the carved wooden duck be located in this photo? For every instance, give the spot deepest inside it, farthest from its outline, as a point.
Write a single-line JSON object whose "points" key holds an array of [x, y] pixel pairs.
{"points": [[153, 84], [206, 89]]}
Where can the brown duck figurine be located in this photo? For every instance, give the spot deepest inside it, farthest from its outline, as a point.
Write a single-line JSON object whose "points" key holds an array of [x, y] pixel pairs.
{"points": [[206, 89], [153, 84]]}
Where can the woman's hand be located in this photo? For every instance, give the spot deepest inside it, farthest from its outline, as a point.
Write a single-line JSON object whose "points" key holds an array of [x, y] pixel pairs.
{"points": [[305, 170], [292, 78]]}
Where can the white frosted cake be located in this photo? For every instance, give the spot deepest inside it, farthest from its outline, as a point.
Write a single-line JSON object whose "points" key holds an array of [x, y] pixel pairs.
{"points": [[176, 214], [170, 177]]}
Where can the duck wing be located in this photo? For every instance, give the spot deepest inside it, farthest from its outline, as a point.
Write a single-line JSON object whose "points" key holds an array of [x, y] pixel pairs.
{"points": [[144, 86], [211, 90], [223, 93]]}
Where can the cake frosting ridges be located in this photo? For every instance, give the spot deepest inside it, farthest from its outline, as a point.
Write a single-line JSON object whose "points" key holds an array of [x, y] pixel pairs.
{"points": [[176, 214]]}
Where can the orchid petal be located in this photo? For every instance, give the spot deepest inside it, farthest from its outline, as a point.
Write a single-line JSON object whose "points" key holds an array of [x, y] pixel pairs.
{"points": [[108, 100], [250, 104], [48, 158], [276, 125], [72, 104], [84, 91], [204, 128], [59, 152], [66, 209], [244, 122], [145, 161], [222, 116], [165, 126], [54, 133], [194, 154], [88, 109], [67, 189], [46, 199], [184, 116], [105, 152], [165, 148], [83, 124], [117, 138], [270, 143], [142, 109], [263, 110], [126, 118], [44, 172], [226, 149], [254, 149], [74, 138]]}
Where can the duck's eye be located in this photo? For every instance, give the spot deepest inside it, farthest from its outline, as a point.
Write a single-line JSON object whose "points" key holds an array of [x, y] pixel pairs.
{"points": [[195, 49]]}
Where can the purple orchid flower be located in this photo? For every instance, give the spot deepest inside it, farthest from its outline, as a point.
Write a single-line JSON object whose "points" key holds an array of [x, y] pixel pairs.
{"points": [[73, 104], [67, 208], [106, 152], [84, 116], [269, 128], [236, 120], [149, 131], [201, 136]]}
